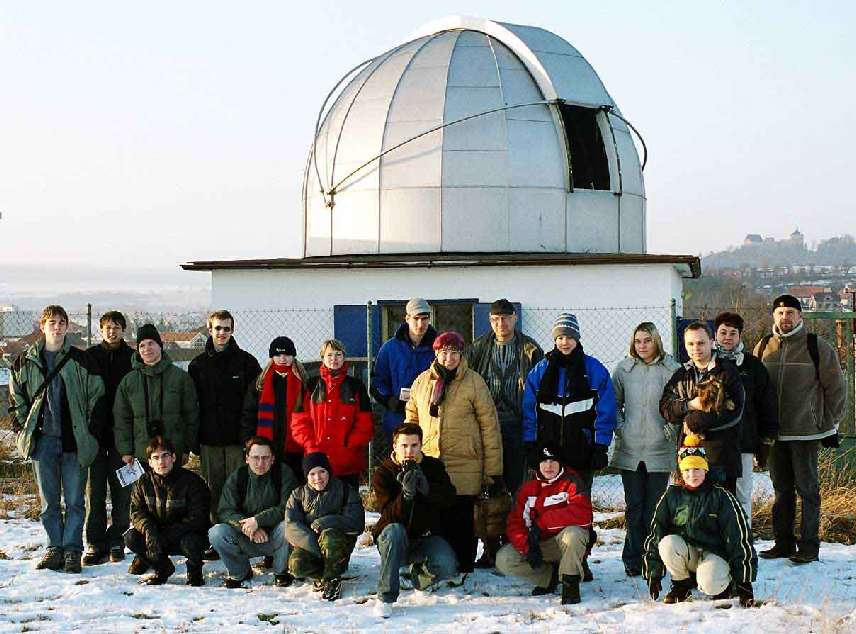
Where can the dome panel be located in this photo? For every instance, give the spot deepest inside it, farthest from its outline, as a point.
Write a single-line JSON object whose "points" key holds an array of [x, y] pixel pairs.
{"points": [[469, 168], [535, 156], [416, 164], [592, 222], [473, 66], [537, 218], [410, 222], [475, 218]]}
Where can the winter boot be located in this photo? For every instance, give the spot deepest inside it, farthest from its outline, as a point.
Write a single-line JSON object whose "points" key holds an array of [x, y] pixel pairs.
{"points": [[284, 580], [587, 573], [229, 582], [72, 561], [95, 557], [778, 551], [117, 554], [194, 575], [551, 586], [332, 589], [570, 589], [681, 591], [139, 566], [804, 556], [53, 559], [488, 558], [163, 571]]}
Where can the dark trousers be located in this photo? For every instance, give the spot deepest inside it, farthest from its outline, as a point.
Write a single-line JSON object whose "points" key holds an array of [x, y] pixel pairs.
{"points": [[793, 470], [513, 456], [642, 491], [460, 531], [102, 476], [191, 545]]}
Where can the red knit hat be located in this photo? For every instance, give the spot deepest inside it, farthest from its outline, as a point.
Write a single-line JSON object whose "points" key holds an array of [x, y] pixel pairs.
{"points": [[449, 339]]}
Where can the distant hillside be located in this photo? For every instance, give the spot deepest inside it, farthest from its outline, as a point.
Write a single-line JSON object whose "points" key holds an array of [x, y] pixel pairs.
{"points": [[837, 251]]}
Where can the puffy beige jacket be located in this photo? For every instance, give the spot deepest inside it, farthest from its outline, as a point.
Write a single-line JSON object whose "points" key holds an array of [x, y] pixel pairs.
{"points": [[466, 434]]}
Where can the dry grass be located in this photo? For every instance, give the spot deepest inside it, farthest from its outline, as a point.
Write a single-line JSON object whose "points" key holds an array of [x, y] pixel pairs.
{"points": [[837, 502], [18, 497]]}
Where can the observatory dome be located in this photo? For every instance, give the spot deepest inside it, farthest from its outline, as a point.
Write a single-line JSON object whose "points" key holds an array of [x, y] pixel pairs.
{"points": [[473, 136]]}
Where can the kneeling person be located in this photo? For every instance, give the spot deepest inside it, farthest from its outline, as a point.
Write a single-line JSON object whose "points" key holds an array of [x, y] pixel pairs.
{"points": [[700, 535], [252, 507], [549, 524], [322, 521], [414, 494], [169, 516]]}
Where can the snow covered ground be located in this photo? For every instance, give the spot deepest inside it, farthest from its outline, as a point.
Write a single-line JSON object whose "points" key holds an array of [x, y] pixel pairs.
{"points": [[819, 597]]}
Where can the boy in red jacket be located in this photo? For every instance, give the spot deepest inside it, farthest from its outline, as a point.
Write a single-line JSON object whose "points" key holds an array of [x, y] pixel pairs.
{"points": [[549, 529]]}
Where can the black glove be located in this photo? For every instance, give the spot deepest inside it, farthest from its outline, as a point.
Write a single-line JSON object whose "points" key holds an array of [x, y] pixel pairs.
{"points": [[831, 442], [744, 594], [409, 480], [599, 458], [535, 557], [422, 483], [655, 585]]}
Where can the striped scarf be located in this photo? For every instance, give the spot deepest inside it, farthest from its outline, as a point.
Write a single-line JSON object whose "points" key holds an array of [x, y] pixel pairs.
{"points": [[267, 401]]}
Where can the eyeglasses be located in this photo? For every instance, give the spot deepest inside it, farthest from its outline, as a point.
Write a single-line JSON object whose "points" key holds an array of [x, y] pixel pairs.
{"points": [[222, 329]]}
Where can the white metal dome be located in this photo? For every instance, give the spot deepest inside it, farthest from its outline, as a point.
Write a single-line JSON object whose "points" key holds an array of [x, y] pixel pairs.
{"points": [[474, 136]]}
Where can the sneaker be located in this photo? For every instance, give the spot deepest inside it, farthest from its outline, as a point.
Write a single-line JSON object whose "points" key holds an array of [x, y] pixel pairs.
{"points": [[138, 566], [162, 574], [804, 557], [53, 559], [551, 586], [681, 591], [194, 576], [117, 554], [382, 609], [725, 594], [587, 573], [210, 555], [332, 589], [231, 583], [570, 589], [284, 580], [778, 551], [72, 561], [95, 557]]}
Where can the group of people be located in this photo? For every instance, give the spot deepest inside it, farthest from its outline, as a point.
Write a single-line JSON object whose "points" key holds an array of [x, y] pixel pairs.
{"points": [[281, 452]]}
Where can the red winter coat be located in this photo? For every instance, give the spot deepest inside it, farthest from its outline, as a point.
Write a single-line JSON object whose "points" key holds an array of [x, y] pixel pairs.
{"points": [[334, 415], [551, 505]]}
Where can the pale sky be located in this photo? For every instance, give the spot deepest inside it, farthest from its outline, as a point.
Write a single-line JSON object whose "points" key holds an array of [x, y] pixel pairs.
{"points": [[141, 135]]}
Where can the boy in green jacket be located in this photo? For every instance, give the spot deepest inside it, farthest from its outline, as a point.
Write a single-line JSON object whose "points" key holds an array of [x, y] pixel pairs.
{"points": [[700, 535]]}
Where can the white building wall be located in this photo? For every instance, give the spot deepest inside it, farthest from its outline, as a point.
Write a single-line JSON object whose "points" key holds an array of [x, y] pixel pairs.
{"points": [[608, 299]]}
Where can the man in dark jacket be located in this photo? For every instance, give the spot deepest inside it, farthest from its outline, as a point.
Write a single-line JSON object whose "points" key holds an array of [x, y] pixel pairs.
{"points": [[414, 494], [252, 509], [812, 395], [113, 356], [221, 375], [681, 405], [169, 516], [503, 358], [760, 419], [400, 360], [700, 535]]}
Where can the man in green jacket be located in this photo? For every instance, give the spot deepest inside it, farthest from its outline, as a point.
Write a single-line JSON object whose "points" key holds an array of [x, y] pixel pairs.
{"points": [[252, 509], [57, 406], [812, 392], [155, 398]]}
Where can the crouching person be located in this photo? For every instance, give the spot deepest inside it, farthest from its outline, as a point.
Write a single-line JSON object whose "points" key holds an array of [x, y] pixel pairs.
{"points": [[169, 516], [414, 495], [252, 510], [322, 521], [700, 535], [549, 529]]}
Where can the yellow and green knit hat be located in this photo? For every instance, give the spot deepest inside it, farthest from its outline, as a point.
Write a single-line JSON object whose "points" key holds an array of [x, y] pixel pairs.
{"points": [[691, 455]]}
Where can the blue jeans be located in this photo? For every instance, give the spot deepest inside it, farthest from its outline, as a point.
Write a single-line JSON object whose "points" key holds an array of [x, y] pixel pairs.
{"points": [[60, 476], [235, 549], [431, 559], [642, 491]]}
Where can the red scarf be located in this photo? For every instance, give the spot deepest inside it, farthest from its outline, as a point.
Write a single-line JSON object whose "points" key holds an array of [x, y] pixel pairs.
{"points": [[267, 400]]}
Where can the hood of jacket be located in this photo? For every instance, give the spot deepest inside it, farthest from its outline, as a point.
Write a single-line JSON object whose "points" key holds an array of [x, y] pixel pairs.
{"points": [[403, 334]]}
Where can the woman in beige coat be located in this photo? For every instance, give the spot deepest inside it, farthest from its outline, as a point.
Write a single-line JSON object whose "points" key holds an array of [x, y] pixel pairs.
{"points": [[459, 424]]}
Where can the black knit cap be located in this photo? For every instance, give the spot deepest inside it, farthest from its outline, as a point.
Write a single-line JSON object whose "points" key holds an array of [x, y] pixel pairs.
{"points": [[787, 301], [148, 331], [548, 451], [502, 307], [316, 459], [282, 345]]}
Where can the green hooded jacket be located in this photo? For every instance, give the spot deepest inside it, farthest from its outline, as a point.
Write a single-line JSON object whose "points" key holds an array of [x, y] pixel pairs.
{"points": [[173, 410], [84, 393]]}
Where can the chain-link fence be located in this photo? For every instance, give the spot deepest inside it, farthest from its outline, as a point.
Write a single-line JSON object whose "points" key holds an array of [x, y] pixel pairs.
{"points": [[605, 334]]}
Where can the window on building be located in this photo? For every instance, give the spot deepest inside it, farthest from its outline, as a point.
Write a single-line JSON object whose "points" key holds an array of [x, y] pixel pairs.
{"points": [[446, 315], [589, 164]]}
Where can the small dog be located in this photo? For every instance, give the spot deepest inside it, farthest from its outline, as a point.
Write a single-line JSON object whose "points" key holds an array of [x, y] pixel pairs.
{"points": [[711, 393]]}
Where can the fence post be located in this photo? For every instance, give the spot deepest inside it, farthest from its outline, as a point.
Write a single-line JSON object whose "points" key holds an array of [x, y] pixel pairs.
{"points": [[88, 325], [369, 377], [673, 312]]}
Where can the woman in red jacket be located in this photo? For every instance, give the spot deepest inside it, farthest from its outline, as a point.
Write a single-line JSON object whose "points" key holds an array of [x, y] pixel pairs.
{"points": [[334, 416], [548, 529]]}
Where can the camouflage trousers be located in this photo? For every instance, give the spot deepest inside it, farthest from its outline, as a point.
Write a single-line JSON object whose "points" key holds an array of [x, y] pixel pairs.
{"points": [[336, 548]]}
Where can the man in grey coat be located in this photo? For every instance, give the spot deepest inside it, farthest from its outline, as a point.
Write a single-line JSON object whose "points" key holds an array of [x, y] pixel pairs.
{"points": [[811, 392]]}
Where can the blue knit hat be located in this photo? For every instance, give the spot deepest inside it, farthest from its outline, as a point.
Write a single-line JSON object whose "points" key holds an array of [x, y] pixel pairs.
{"points": [[566, 324]]}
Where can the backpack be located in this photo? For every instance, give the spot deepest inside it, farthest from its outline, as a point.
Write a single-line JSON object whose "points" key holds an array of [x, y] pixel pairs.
{"points": [[811, 344]]}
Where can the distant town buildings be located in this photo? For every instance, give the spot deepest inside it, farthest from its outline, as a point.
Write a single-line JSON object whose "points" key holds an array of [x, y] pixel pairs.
{"points": [[755, 239]]}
